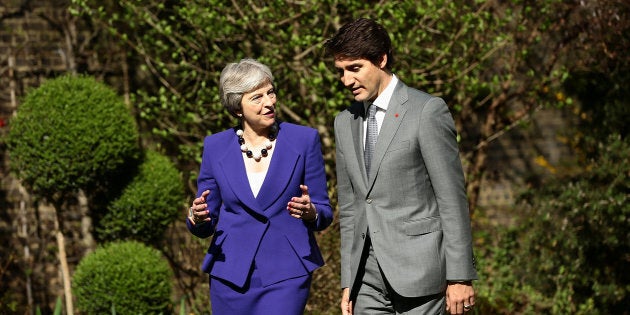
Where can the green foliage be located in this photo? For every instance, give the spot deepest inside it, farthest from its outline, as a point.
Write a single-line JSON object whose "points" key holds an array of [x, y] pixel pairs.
{"points": [[69, 133], [182, 307], [568, 253], [494, 62], [58, 306], [603, 104], [148, 205], [181, 46], [127, 277]]}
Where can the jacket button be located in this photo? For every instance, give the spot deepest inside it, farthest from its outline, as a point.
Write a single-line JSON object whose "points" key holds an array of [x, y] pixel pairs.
{"points": [[369, 200], [363, 235]]}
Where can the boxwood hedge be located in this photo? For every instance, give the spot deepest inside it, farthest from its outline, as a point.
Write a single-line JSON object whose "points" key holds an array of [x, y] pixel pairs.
{"points": [[125, 277]]}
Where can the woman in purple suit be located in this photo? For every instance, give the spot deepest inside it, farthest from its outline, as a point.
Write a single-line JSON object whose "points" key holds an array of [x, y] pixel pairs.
{"points": [[261, 194]]}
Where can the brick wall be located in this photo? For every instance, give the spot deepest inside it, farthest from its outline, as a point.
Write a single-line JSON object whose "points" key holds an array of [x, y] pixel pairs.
{"points": [[32, 49]]}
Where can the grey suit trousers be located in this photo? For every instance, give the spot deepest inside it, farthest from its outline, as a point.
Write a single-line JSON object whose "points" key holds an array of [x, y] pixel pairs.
{"points": [[376, 296]]}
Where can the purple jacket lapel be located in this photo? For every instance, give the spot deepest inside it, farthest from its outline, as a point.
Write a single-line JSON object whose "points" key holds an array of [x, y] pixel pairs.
{"points": [[280, 171], [233, 170]]}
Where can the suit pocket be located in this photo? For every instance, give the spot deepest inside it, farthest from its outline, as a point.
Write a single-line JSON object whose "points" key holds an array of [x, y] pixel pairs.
{"points": [[424, 226], [395, 146]]}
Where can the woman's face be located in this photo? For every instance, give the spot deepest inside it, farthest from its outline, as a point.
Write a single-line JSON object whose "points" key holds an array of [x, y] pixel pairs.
{"points": [[259, 107]]}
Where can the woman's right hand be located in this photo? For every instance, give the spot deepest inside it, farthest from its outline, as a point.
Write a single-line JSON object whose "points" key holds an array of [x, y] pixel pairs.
{"points": [[199, 213]]}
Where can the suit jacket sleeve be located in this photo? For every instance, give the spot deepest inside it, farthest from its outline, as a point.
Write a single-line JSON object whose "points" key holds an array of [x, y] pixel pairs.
{"points": [[206, 181], [345, 201], [315, 180], [441, 156]]}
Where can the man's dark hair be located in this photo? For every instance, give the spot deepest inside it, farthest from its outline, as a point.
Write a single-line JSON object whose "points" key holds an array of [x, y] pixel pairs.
{"points": [[361, 38]]}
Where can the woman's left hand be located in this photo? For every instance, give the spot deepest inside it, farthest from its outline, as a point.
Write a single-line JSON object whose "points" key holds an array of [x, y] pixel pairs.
{"points": [[301, 207]]}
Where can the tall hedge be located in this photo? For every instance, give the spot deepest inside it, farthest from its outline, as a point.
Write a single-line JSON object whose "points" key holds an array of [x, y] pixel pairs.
{"points": [[125, 277], [151, 201], [68, 133]]}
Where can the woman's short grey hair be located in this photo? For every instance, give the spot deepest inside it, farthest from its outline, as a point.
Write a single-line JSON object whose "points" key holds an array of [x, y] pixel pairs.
{"points": [[240, 78]]}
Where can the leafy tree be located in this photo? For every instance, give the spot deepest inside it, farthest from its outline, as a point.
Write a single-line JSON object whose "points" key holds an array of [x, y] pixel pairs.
{"points": [[68, 134], [123, 278], [568, 254], [148, 205], [494, 63], [600, 81]]}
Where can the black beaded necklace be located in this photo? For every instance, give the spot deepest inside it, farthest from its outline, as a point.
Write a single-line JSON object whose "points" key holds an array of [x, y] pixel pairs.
{"points": [[264, 152]]}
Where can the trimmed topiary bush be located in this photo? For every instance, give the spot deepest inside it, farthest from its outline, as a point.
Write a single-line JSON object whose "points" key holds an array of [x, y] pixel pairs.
{"points": [[128, 277], [72, 133], [147, 205], [69, 133]]}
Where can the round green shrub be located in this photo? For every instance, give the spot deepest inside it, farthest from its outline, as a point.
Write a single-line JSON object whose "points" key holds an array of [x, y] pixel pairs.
{"points": [[128, 277], [148, 205], [68, 133]]}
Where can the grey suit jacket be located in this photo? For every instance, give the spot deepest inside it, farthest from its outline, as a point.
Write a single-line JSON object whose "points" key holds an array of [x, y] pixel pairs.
{"points": [[413, 203]]}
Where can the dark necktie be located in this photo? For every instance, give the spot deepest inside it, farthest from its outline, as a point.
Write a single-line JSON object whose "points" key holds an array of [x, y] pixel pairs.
{"points": [[371, 134]]}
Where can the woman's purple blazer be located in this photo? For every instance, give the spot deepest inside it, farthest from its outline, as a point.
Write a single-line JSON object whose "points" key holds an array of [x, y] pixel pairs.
{"points": [[248, 230]]}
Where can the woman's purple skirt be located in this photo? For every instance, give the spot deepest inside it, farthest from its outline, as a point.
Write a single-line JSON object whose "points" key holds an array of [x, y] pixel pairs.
{"points": [[284, 297]]}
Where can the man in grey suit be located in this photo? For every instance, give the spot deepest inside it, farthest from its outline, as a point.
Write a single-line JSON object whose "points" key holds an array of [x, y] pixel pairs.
{"points": [[406, 244]]}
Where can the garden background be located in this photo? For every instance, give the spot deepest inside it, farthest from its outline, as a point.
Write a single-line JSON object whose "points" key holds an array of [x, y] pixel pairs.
{"points": [[538, 90]]}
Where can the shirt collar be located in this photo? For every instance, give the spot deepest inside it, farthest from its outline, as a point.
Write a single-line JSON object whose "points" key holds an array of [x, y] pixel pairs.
{"points": [[382, 101]]}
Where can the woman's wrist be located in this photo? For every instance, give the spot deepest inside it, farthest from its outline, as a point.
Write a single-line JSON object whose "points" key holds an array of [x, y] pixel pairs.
{"points": [[313, 210]]}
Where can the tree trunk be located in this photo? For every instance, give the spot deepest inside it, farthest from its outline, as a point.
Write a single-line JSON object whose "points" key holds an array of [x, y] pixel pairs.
{"points": [[478, 161], [475, 176], [86, 223], [65, 271], [70, 35], [126, 80]]}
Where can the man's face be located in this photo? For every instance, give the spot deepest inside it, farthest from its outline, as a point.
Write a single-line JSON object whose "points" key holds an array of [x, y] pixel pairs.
{"points": [[364, 79]]}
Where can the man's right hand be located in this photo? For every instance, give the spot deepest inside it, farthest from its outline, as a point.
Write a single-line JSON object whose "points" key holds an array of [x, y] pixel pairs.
{"points": [[346, 304]]}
